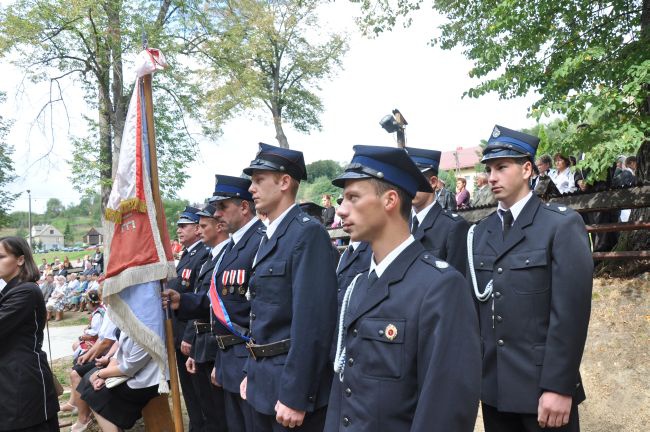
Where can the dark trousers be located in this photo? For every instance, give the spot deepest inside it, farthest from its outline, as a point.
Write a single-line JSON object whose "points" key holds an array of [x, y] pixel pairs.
{"points": [[50, 425], [238, 413], [314, 422], [197, 422], [498, 421], [210, 399]]}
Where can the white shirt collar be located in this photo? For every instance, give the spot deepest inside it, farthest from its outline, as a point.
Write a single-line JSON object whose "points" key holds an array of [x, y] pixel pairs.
{"points": [[270, 230], [189, 249], [355, 245], [516, 207], [423, 213], [215, 250], [237, 235], [3, 284], [381, 267]]}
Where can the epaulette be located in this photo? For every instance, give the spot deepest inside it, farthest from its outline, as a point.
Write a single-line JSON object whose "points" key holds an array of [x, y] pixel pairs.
{"points": [[557, 208], [434, 262]]}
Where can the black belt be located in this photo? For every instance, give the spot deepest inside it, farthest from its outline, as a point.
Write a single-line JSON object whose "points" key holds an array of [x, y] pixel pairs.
{"points": [[269, 350], [225, 341], [202, 327]]}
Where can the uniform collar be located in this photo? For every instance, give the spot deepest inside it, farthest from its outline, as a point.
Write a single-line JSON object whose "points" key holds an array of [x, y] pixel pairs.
{"points": [[276, 223], [380, 268], [189, 249], [215, 250], [237, 235], [423, 213], [355, 245], [516, 207]]}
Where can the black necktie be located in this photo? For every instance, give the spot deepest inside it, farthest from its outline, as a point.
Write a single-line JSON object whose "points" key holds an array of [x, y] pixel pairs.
{"points": [[183, 253], [415, 223], [507, 221], [372, 278]]}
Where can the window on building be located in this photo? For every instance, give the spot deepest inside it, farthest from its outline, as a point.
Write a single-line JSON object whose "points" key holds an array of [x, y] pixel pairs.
{"points": [[51, 231]]}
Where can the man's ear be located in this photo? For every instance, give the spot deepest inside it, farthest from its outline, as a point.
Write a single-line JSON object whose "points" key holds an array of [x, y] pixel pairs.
{"points": [[391, 200], [433, 181]]}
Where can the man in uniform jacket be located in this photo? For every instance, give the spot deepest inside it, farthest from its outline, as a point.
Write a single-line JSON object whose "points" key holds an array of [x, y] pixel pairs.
{"points": [[293, 302], [441, 231], [192, 258], [532, 274], [204, 347], [408, 350]]}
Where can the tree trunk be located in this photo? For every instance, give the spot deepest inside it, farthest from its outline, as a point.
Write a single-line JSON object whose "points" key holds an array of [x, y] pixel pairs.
{"points": [[279, 132]]}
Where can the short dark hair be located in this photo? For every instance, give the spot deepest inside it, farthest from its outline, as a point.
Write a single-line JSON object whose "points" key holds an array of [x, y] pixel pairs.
{"points": [[630, 160], [566, 160], [17, 246], [546, 159], [405, 199]]}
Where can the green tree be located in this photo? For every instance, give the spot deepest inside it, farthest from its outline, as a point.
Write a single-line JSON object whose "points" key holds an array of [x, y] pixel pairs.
{"points": [[173, 208], [67, 234], [264, 58], [6, 170], [54, 207], [84, 41], [323, 168], [589, 61]]}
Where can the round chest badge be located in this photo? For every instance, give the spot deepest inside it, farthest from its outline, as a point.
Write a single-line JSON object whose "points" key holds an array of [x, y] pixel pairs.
{"points": [[390, 332]]}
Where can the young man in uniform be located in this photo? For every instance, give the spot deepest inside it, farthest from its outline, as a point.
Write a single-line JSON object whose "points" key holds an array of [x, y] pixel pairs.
{"points": [[531, 269], [192, 258], [408, 350], [293, 302], [442, 232]]}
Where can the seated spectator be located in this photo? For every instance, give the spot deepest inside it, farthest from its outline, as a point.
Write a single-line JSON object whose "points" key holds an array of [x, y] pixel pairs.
{"points": [[56, 302], [76, 294], [43, 265], [73, 288], [121, 406], [563, 177], [87, 265], [462, 194], [67, 264], [90, 333], [48, 286]]}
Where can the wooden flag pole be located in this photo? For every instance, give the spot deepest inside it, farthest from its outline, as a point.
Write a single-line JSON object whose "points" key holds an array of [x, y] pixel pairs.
{"points": [[155, 188]]}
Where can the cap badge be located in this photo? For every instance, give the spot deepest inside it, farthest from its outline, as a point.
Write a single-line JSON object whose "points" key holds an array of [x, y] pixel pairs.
{"points": [[390, 332], [496, 132], [380, 175]]}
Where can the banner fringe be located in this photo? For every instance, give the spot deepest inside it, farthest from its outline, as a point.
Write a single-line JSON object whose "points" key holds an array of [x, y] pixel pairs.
{"points": [[138, 275], [128, 205]]}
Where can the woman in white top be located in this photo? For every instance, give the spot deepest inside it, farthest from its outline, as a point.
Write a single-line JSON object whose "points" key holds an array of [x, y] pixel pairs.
{"points": [[121, 406], [563, 177]]}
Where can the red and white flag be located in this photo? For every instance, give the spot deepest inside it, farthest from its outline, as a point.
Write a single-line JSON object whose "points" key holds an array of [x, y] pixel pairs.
{"points": [[139, 255]]}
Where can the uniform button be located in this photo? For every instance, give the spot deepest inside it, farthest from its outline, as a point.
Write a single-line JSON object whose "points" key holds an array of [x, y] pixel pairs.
{"points": [[339, 289], [500, 342], [310, 399], [499, 318], [482, 264], [252, 293], [270, 270], [350, 362], [527, 262], [499, 270], [355, 332], [380, 332], [497, 294], [346, 421], [348, 392], [252, 316]]}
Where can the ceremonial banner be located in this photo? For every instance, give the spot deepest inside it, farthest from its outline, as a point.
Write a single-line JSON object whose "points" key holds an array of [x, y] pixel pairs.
{"points": [[139, 253]]}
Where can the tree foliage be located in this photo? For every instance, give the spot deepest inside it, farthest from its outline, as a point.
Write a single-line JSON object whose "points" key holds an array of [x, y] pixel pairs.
{"points": [[589, 61], [6, 170], [263, 57], [92, 43], [323, 168]]}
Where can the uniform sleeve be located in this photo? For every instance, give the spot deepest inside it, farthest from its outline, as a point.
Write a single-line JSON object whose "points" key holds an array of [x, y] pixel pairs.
{"points": [[313, 322], [194, 306], [571, 284], [457, 246], [449, 358], [18, 306]]}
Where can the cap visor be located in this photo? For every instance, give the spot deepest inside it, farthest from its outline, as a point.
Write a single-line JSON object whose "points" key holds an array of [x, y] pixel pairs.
{"points": [[183, 221], [505, 153], [349, 175], [218, 198]]}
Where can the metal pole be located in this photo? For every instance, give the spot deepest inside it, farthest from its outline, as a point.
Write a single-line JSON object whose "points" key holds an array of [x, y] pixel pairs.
{"points": [[29, 195]]}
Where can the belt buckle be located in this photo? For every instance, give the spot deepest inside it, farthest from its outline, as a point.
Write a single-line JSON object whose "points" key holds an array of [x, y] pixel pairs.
{"points": [[249, 347], [196, 327], [220, 343]]}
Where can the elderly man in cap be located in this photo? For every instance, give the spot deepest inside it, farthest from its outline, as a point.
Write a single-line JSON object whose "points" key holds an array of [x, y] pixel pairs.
{"points": [[531, 270], [441, 231], [408, 351], [227, 296], [193, 256], [293, 302]]}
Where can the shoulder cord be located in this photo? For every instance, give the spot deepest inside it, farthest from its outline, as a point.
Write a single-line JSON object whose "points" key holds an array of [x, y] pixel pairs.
{"points": [[339, 358], [487, 293]]}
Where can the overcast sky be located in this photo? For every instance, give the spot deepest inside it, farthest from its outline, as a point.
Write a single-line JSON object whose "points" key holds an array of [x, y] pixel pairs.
{"points": [[397, 70]]}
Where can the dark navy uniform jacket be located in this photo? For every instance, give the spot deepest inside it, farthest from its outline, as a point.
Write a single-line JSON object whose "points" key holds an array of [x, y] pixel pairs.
{"points": [[444, 233], [413, 360], [542, 278], [192, 261], [204, 347], [351, 266], [229, 363], [293, 295]]}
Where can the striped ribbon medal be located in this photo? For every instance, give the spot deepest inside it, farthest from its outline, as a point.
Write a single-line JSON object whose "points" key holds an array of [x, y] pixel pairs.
{"points": [[218, 308]]}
